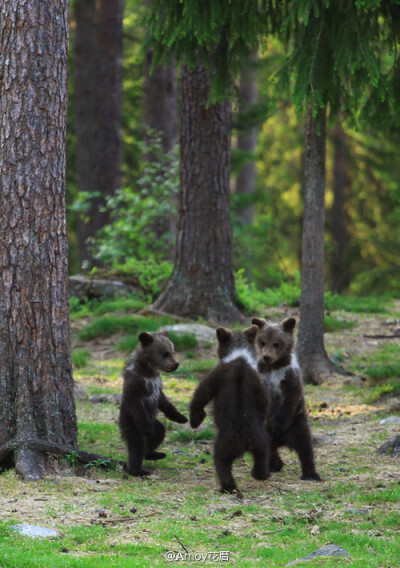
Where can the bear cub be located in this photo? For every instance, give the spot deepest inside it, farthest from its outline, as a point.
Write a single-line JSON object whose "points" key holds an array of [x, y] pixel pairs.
{"points": [[142, 396], [240, 406], [287, 417]]}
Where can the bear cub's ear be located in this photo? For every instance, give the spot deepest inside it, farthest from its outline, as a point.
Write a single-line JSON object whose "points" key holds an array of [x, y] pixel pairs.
{"points": [[288, 325], [145, 338], [259, 322], [223, 334], [250, 333]]}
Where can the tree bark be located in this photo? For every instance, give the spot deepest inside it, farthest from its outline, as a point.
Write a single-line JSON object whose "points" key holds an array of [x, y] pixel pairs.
{"points": [[247, 140], [98, 100], [36, 386], [202, 283], [339, 272], [313, 358]]}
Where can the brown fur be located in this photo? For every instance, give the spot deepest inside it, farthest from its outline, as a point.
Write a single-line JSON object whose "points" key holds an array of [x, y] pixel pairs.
{"points": [[240, 404], [142, 396], [287, 418]]}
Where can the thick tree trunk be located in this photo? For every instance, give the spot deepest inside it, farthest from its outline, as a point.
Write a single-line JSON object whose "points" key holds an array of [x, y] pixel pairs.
{"points": [[36, 386], [202, 283], [247, 140], [313, 358], [339, 271], [98, 99]]}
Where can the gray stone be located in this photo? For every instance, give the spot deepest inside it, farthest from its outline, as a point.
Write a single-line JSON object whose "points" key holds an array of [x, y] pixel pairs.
{"points": [[360, 511], [390, 420], [35, 531], [391, 447], [82, 287], [104, 398], [328, 550], [203, 333]]}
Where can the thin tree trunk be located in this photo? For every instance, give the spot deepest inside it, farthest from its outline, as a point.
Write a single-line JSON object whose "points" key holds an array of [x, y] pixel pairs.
{"points": [[202, 283], [160, 117], [98, 99], [36, 386], [313, 358], [339, 272], [247, 140]]}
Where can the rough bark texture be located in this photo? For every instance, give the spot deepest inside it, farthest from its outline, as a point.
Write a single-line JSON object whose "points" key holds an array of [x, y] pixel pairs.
{"points": [[36, 386], [98, 98], [339, 272], [202, 283], [313, 359], [247, 139]]}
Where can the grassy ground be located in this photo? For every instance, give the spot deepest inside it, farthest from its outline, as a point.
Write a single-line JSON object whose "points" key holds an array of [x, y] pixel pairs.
{"points": [[108, 519]]}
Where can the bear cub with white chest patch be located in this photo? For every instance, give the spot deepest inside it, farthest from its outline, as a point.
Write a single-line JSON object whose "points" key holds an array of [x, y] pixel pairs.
{"points": [[287, 416], [240, 406], [142, 396]]}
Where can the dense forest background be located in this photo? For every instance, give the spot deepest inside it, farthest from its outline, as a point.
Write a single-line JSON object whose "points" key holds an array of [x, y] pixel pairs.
{"points": [[362, 196]]}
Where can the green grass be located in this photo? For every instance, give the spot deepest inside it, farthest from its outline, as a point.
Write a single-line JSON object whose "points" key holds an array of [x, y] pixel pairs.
{"points": [[332, 323], [180, 341], [80, 358], [130, 303], [106, 326]]}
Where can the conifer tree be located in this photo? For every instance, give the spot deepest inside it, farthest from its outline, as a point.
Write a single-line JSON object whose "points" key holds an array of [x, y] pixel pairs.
{"points": [[333, 59]]}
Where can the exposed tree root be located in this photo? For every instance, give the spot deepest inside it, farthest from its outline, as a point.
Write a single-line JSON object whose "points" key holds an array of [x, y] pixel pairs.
{"points": [[27, 456]]}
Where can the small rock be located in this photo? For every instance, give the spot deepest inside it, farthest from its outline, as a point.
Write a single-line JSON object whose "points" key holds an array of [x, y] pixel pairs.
{"points": [[104, 398], [344, 469], [82, 288], [328, 550], [390, 420], [361, 511], [34, 531], [315, 530], [391, 447]]}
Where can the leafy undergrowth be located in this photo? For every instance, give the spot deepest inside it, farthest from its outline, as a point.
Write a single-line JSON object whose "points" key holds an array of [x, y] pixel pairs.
{"points": [[108, 519]]}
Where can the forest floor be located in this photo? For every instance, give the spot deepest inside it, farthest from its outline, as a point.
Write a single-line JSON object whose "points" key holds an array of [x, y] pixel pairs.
{"points": [[106, 518]]}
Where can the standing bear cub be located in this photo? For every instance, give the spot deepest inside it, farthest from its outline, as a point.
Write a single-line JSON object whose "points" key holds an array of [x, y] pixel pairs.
{"points": [[240, 406], [287, 417], [142, 396]]}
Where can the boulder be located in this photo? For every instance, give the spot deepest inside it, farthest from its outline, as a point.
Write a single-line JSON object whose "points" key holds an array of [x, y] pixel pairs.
{"points": [[88, 288], [203, 333], [391, 447]]}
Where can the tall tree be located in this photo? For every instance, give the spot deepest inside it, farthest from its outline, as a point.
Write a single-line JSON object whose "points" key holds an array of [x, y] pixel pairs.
{"points": [[340, 277], [36, 386], [98, 98], [202, 283], [247, 139]]}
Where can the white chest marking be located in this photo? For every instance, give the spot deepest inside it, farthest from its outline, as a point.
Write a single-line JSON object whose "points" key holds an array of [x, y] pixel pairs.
{"points": [[242, 354], [273, 379], [155, 395]]}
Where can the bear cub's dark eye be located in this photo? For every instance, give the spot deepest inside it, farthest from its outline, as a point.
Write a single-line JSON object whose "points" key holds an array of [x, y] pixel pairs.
{"points": [[166, 354], [262, 343], [276, 345]]}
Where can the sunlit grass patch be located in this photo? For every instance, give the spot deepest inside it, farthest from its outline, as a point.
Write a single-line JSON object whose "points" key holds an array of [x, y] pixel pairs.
{"points": [[332, 323], [107, 325], [80, 358]]}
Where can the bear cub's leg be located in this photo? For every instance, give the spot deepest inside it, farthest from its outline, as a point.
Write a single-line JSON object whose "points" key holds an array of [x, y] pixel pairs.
{"points": [[136, 450], [223, 460], [153, 441]]}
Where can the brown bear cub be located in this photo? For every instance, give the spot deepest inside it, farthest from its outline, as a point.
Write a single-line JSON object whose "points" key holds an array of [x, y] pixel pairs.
{"points": [[240, 406], [287, 417], [142, 396]]}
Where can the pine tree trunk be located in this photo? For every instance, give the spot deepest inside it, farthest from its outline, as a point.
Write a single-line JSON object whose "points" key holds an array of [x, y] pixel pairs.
{"points": [[98, 99], [202, 283], [339, 271], [36, 386], [247, 140], [313, 359]]}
